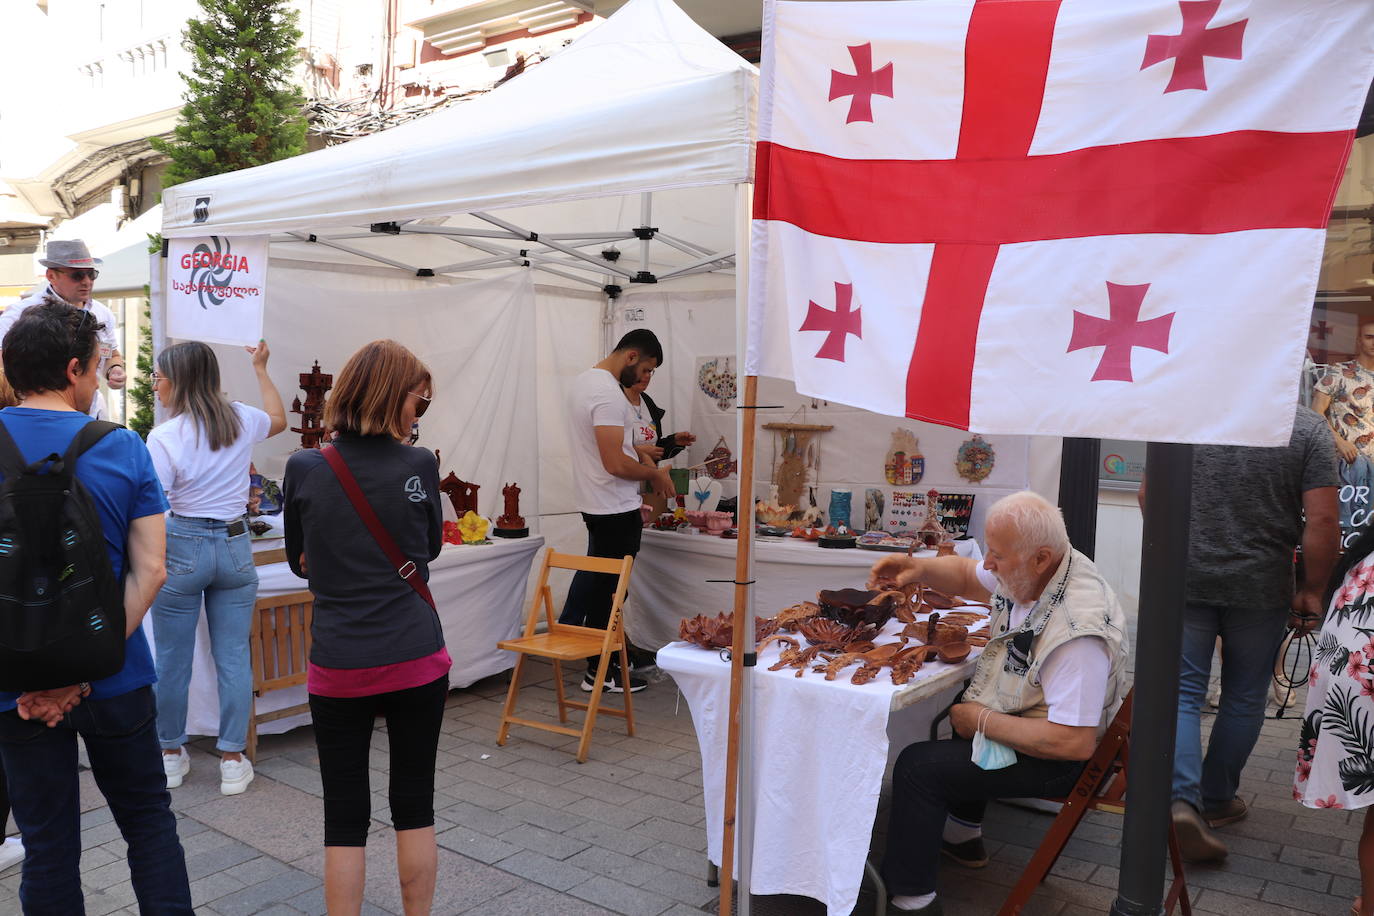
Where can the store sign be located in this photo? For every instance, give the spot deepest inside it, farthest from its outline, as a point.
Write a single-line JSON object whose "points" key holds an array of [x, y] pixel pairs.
{"points": [[216, 288]]}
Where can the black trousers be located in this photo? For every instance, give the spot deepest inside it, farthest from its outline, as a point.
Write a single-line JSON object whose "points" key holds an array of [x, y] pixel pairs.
{"points": [[934, 778], [591, 594], [343, 737], [4, 800]]}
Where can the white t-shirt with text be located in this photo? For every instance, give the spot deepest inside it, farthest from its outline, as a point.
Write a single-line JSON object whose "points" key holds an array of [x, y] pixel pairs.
{"points": [[201, 483], [595, 398], [1074, 677]]}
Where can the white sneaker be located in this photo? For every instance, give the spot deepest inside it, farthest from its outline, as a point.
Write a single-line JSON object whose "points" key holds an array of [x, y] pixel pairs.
{"points": [[176, 767], [11, 853], [234, 776]]}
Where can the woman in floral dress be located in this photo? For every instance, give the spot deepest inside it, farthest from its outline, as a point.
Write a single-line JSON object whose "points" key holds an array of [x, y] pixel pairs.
{"points": [[1336, 745]]}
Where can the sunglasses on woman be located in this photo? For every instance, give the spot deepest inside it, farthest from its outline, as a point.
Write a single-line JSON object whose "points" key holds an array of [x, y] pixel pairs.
{"points": [[421, 405]]}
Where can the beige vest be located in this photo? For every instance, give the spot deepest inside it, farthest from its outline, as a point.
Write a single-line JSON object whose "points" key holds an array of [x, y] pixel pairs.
{"points": [[1076, 602]]}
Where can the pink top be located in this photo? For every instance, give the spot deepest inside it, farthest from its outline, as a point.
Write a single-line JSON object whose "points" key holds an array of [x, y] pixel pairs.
{"points": [[366, 682]]}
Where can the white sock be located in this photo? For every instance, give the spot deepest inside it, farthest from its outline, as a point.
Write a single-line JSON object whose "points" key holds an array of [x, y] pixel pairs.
{"points": [[913, 901], [957, 831]]}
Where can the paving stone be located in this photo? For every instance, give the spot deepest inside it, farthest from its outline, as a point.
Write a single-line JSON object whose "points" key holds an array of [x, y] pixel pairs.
{"points": [[533, 898], [256, 871], [492, 823], [475, 845], [614, 865], [622, 816], [554, 873], [621, 898], [555, 819], [678, 858], [1304, 901], [553, 845], [1211, 901], [226, 855], [672, 832], [614, 838], [275, 889], [212, 887]]}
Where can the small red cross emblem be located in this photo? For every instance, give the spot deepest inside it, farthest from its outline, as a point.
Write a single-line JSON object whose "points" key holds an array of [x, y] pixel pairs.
{"points": [[1121, 332], [837, 323], [861, 85], [1321, 329], [1193, 44]]}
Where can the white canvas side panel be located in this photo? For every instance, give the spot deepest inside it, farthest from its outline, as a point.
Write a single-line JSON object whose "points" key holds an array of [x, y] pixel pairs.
{"points": [[1240, 305], [1305, 67]]}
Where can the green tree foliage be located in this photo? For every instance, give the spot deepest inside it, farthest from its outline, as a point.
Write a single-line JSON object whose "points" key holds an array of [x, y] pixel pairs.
{"points": [[141, 386], [242, 108]]}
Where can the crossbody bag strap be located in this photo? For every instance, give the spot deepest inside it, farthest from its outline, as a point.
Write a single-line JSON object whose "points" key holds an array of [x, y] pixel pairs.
{"points": [[12, 461], [405, 568]]}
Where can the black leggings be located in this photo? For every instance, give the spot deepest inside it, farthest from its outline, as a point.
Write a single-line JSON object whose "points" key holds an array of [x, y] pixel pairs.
{"points": [[343, 737], [4, 801]]}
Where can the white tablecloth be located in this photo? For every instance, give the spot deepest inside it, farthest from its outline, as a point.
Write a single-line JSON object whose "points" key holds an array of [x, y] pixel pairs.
{"points": [[480, 592], [669, 581], [820, 751]]}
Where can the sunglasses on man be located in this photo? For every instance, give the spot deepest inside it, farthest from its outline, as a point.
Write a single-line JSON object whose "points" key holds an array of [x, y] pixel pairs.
{"points": [[82, 273]]}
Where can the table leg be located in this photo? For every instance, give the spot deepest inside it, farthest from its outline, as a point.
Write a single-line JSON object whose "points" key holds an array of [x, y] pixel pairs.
{"points": [[712, 874], [879, 889]]}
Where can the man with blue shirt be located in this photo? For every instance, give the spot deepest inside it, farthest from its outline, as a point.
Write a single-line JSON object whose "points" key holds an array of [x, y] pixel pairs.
{"points": [[52, 357]]}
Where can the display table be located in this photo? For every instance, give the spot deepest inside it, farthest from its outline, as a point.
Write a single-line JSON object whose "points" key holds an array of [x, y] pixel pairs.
{"points": [[820, 751], [672, 569], [480, 593]]}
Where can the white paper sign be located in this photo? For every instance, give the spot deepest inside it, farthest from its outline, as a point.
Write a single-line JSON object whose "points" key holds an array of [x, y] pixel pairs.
{"points": [[216, 288]]}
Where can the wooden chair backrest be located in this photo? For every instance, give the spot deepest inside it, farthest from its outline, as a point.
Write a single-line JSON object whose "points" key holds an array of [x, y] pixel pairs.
{"points": [[279, 641], [543, 595]]}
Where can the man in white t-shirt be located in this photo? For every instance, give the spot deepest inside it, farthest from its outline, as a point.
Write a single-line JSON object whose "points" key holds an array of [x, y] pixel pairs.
{"points": [[606, 474], [1042, 692], [71, 275]]}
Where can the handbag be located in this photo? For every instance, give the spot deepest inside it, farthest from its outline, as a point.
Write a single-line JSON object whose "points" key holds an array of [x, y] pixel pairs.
{"points": [[405, 568]]}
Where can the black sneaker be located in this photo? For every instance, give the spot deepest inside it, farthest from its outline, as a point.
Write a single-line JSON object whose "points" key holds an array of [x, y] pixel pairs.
{"points": [[969, 853], [615, 684]]}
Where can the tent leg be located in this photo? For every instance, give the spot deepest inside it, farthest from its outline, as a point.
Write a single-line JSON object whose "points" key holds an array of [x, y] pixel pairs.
{"points": [[646, 209], [1163, 569]]}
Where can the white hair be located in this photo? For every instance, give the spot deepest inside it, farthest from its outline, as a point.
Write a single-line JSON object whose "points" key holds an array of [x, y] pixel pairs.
{"points": [[1036, 522]]}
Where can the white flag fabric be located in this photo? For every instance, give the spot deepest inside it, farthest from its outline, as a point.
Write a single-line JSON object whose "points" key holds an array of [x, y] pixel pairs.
{"points": [[1060, 217], [216, 288]]}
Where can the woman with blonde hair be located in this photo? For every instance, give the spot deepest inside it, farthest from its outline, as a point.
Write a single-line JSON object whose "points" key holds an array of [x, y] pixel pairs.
{"points": [[363, 520], [201, 454]]}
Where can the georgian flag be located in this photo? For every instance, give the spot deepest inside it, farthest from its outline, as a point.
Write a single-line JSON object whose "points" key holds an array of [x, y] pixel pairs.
{"points": [[1067, 217]]}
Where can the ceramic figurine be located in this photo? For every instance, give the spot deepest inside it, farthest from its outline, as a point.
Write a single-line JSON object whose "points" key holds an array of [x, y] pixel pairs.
{"points": [[462, 494], [315, 383], [975, 459], [511, 524]]}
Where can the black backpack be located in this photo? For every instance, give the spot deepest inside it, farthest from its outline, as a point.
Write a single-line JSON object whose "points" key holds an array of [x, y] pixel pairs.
{"points": [[61, 605]]}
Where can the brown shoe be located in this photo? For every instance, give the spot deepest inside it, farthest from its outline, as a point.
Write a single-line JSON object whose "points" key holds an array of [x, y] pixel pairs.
{"points": [[1196, 841], [1229, 813]]}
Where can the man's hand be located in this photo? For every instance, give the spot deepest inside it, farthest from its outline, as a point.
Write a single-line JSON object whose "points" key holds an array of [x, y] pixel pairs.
{"points": [[1347, 449], [1306, 614], [649, 454], [684, 438], [963, 718], [894, 572], [663, 484], [115, 376], [49, 706]]}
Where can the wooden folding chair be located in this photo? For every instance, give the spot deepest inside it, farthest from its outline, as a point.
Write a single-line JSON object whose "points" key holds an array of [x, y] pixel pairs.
{"points": [[1102, 785], [279, 645], [567, 643]]}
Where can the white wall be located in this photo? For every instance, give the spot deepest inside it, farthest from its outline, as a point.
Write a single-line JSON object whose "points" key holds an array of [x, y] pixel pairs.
{"points": [[1118, 545]]}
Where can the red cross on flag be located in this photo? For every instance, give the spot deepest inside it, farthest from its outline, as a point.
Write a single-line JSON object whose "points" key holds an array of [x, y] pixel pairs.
{"points": [[1063, 217]]}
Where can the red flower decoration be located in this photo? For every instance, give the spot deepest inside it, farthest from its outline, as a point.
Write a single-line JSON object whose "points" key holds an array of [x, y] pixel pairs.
{"points": [[1328, 802]]}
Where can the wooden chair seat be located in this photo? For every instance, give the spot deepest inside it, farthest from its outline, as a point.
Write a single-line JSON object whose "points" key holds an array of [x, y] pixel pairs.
{"points": [[566, 643], [1101, 786]]}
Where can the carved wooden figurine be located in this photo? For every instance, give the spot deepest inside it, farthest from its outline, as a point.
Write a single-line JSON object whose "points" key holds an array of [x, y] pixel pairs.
{"points": [[511, 524], [462, 494], [315, 383]]}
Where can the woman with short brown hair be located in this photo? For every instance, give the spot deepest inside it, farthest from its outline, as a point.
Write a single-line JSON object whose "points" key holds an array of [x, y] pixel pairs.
{"points": [[378, 647]]}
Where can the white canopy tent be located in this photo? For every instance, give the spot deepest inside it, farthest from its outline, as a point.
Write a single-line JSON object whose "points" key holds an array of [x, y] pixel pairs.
{"points": [[636, 141]]}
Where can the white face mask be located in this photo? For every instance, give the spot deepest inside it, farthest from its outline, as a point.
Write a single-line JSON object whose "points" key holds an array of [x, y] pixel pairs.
{"points": [[989, 754]]}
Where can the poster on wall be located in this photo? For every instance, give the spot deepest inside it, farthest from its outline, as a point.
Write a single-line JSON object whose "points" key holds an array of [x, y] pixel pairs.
{"points": [[216, 288]]}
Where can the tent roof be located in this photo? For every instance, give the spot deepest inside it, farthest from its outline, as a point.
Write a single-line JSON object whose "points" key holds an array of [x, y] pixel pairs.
{"points": [[647, 101]]}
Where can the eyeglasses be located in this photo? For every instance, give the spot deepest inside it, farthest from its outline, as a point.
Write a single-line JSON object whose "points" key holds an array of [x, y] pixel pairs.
{"points": [[156, 377], [82, 273], [421, 405]]}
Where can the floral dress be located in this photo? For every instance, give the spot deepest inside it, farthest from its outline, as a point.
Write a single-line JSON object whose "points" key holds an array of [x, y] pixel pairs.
{"points": [[1336, 744]]}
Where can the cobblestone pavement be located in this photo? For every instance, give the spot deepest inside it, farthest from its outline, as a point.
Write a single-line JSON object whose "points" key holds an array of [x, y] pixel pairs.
{"points": [[525, 829]]}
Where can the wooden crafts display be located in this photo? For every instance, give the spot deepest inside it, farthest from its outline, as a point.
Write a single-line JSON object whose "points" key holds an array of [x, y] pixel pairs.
{"points": [[460, 493], [798, 458], [314, 383]]}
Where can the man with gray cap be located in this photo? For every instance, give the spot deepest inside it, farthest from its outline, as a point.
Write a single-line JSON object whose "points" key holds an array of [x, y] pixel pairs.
{"points": [[71, 275]]}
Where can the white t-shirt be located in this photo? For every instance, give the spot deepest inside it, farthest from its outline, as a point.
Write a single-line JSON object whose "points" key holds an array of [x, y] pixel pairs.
{"points": [[201, 483], [1074, 677], [595, 398], [642, 430], [108, 336]]}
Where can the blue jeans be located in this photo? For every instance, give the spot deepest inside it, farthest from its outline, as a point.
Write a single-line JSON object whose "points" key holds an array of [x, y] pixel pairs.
{"points": [[40, 763], [204, 563], [1249, 642]]}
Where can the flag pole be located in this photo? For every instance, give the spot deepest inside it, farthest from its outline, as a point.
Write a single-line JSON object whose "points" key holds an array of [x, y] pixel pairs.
{"points": [[739, 730], [741, 651]]}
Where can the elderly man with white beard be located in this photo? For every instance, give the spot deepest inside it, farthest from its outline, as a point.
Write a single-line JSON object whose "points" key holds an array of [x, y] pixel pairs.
{"points": [[1043, 691]]}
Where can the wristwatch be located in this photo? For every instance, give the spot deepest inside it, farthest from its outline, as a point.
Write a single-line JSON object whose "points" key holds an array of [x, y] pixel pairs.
{"points": [[85, 688]]}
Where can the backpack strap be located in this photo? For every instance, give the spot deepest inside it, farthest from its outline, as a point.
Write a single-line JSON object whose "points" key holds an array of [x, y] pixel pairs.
{"points": [[12, 461], [85, 437]]}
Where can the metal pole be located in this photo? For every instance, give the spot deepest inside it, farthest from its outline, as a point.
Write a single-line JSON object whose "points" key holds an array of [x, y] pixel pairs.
{"points": [[1078, 492], [1159, 639], [646, 209]]}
